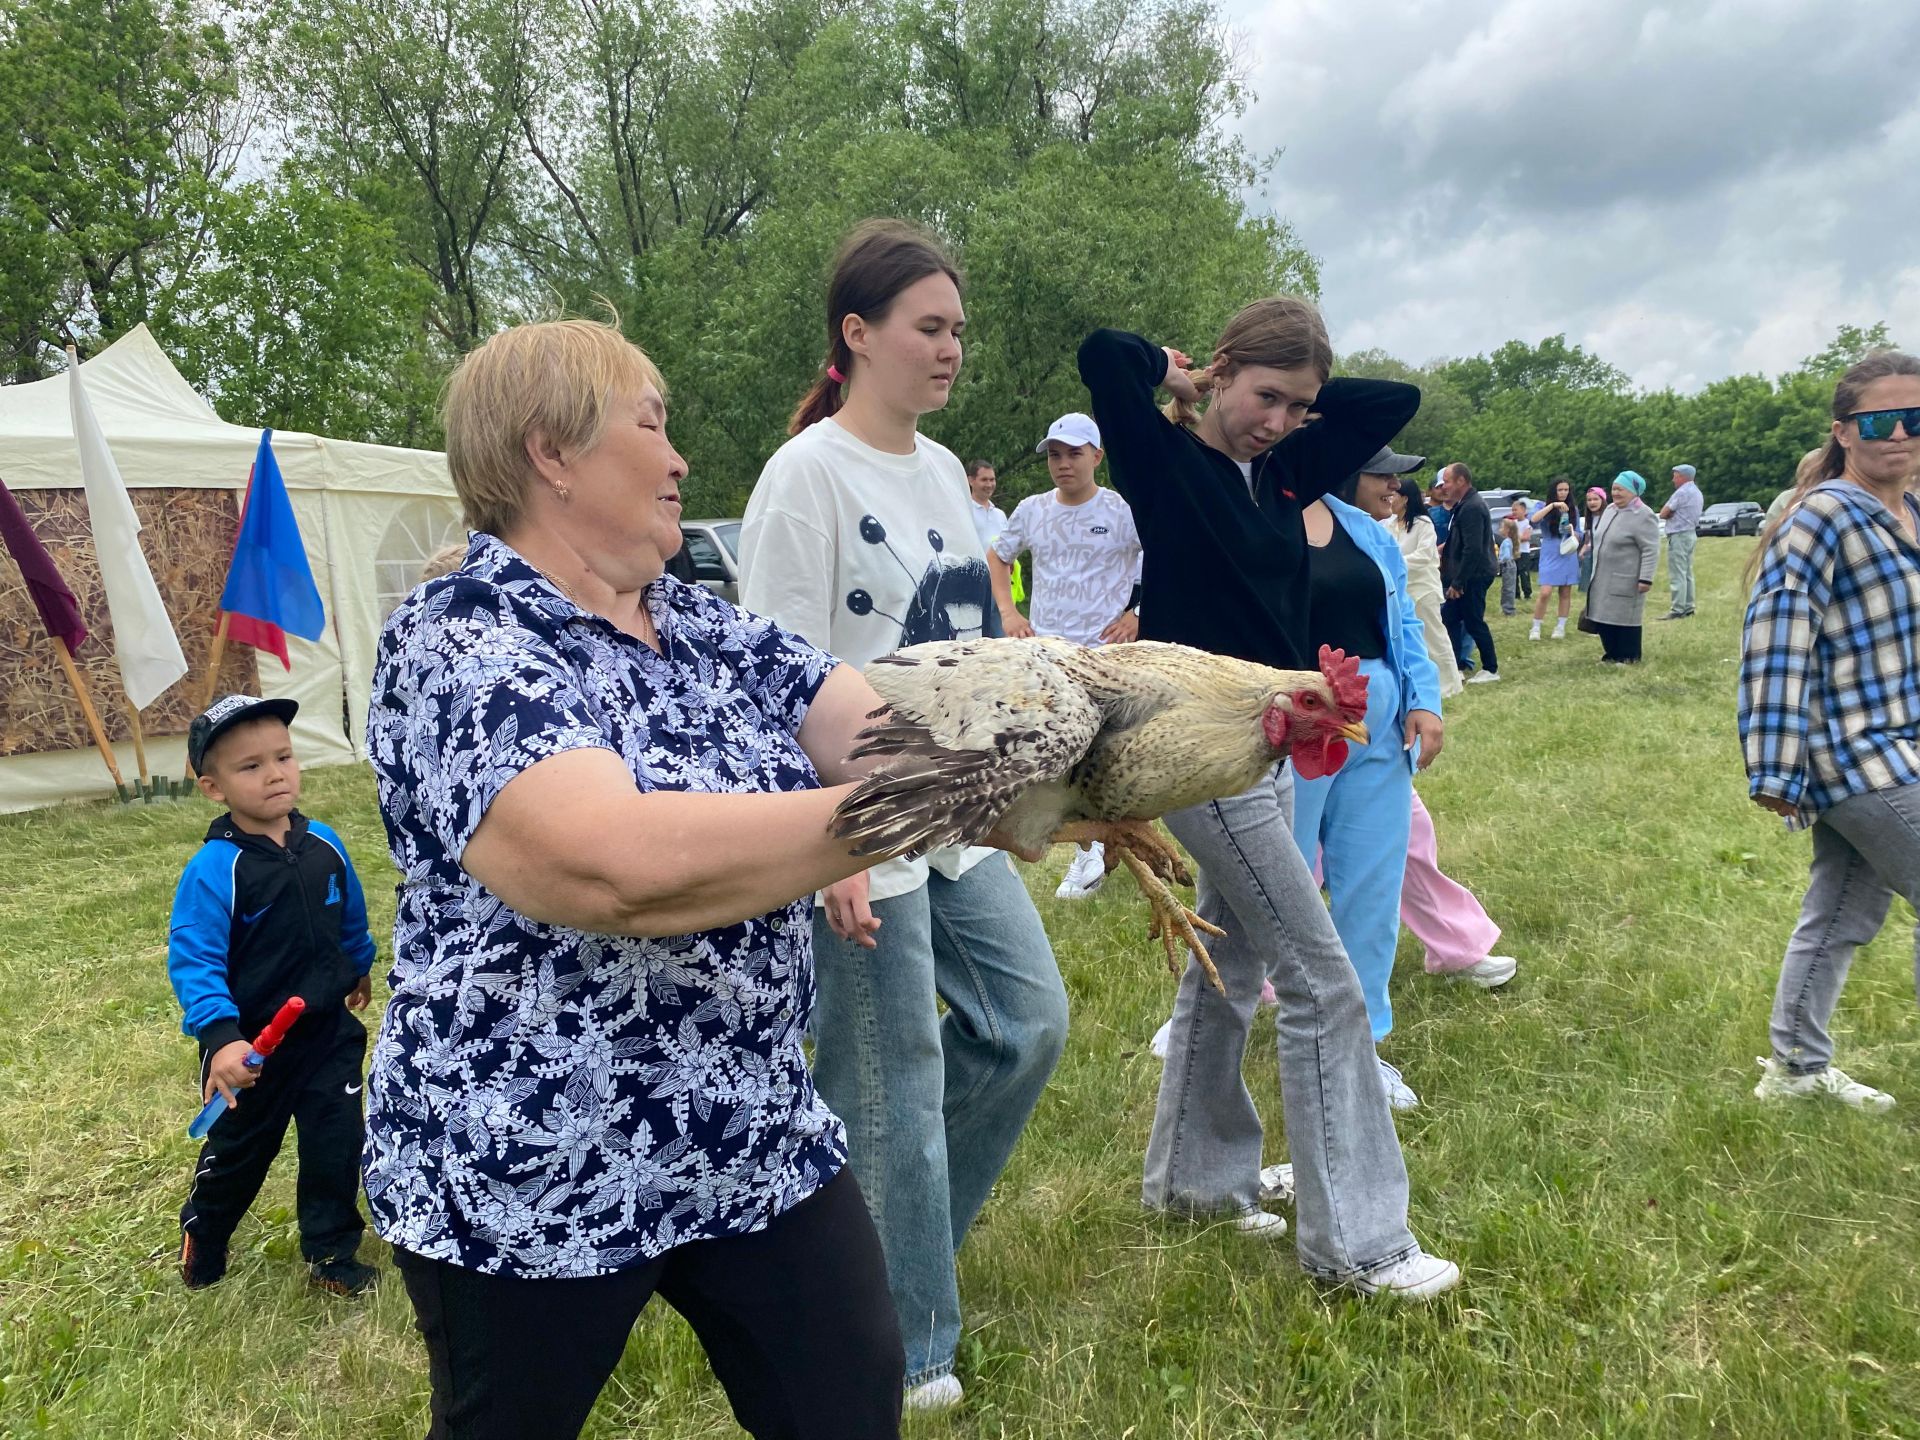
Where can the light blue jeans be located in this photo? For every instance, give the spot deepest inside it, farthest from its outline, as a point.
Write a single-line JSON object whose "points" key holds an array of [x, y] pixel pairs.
{"points": [[933, 1104], [1359, 820], [1350, 1182]]}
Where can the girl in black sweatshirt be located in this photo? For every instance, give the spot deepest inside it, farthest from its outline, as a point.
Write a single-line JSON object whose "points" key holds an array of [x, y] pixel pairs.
{"points": [[1217, 496]]}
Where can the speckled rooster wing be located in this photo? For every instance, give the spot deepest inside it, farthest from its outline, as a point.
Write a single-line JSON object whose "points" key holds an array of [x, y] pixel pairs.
{"points": [[1024, 737]]}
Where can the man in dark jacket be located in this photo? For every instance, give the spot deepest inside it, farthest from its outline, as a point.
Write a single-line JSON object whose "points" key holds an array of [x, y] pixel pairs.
{"points": [[1466, 569]]}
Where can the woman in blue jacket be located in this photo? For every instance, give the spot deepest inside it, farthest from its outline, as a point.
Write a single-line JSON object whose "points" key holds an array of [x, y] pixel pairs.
{"points": [[1357, 819]]}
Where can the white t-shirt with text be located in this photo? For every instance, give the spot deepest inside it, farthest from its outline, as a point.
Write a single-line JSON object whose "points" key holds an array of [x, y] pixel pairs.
{"points": [[1086, 561]]}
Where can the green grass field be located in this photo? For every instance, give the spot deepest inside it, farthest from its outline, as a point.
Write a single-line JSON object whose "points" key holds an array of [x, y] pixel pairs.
{"points": [[1648, 1251]]}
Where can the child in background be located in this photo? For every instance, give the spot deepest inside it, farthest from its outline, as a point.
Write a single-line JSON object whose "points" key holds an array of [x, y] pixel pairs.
{"points": [[1509, 564], [268, 908], [1087, 557]]}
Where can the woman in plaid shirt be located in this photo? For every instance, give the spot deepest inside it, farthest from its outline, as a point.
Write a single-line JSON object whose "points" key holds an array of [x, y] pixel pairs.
{"points": [[1830, 706]]}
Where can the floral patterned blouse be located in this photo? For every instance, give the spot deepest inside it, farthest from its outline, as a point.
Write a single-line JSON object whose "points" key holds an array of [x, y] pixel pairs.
{"points": [[545, 1102]]}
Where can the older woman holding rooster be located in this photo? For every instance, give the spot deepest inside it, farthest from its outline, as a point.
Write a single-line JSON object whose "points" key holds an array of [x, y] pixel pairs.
{"points": [[589, 1087], [1223, 496]]}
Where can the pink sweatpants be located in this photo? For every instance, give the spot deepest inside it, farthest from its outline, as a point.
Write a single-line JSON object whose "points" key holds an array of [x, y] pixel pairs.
{"points": [[1442, 914]]}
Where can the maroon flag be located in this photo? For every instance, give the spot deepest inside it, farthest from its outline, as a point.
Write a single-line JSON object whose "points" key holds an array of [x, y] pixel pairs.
{"points": [[59, 611]]}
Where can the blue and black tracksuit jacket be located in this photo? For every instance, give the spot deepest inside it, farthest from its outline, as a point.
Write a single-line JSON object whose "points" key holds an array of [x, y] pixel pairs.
{"points": [[255, 923]]}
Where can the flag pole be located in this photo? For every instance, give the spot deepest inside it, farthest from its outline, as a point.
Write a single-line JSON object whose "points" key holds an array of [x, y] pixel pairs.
{"points": [[86, 708], [139, 746], [215, 660]]}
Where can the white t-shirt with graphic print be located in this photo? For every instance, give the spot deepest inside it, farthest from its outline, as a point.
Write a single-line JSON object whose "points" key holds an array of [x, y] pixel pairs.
{"points": [[1086, 561], [864, 553]]}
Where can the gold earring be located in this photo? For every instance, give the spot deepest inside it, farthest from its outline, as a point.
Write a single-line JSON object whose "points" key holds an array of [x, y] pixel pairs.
{"points": [[562, 491]]}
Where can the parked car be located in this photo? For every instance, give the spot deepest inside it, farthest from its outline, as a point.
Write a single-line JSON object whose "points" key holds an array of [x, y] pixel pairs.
{"points": [[1501, 501], [1732, 517], [713, 547]]}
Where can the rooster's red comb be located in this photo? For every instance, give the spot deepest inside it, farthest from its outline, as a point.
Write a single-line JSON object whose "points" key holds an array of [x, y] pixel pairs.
{"points": [[1343, 675]]}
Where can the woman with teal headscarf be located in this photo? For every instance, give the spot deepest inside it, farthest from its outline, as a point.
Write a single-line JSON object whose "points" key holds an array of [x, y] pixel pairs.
{"points": [[1626, 541]]}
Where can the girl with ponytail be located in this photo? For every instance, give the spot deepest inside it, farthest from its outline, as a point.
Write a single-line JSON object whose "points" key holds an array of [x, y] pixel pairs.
{"points": [[1830, 705], [1219, 495], [860, 537]]}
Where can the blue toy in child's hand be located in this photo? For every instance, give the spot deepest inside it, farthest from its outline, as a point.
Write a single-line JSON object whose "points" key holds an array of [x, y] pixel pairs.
{"points": [[264, 1045]]}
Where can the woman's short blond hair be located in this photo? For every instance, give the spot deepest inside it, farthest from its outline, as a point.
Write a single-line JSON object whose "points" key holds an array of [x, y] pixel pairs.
{"points": [[559, 378]]}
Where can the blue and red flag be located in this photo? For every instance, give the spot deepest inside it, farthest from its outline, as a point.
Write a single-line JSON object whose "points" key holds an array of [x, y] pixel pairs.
{"points": [[270, 591]]}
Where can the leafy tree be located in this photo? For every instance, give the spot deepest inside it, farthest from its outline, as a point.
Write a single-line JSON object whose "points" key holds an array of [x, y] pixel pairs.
{"points": [[1443, 405], [118, 120], [307, 318], [1849, 346], [413, 108]]}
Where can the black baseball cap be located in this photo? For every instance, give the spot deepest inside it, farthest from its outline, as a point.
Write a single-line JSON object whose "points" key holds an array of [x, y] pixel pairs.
{"points": [[1389, 461], [227, 712]]}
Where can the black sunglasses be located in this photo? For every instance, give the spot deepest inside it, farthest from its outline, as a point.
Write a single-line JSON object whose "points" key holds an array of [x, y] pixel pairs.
{"points": [[1878, 424]]}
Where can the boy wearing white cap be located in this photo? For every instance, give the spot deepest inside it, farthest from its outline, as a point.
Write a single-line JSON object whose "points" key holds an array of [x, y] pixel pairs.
{"points": [[1086, 560]]}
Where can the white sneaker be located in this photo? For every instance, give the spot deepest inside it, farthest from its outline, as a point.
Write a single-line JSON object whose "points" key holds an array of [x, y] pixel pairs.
{"points": [[1560, 631], [1533, 632], [1399, 1094], [1780, 1083], [1419, 1276], [1276, 1183], [1489, 973], [1086, 874], [1162, 1041], [1484, 677], [1260, 1225], [943, 1392]]}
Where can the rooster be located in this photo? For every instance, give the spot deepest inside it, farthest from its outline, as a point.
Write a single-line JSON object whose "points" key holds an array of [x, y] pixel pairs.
{"points": [[1038, 742]]}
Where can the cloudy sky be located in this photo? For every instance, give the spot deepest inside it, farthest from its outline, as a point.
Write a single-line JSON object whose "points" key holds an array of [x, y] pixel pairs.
{"points": [[1691, 190]]}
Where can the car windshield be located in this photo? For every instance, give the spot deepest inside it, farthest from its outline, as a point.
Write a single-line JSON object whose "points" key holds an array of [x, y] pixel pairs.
{"points": [[729, 535]]}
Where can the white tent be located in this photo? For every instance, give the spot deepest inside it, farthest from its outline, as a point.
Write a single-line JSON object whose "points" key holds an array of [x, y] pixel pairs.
{"points": [[369, 514]]}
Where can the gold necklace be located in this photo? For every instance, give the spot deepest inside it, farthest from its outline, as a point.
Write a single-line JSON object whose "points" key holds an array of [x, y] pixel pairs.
{"points": [[651, 635]]}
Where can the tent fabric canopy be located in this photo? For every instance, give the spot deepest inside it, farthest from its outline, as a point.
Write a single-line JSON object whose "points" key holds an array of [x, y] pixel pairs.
{"points": [[348, 497]]}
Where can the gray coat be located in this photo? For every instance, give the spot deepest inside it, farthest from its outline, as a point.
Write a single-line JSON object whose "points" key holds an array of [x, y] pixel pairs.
{"points": [[1625, 545]]}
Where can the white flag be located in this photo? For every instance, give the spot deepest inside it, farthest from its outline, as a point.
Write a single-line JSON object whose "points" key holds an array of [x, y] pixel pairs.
{"points": [[143, 638]]}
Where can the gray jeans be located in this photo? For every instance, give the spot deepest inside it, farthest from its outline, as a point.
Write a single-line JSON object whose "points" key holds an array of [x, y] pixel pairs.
{"points": [[1350, 1183], [1866, 850], [1680, 571]]}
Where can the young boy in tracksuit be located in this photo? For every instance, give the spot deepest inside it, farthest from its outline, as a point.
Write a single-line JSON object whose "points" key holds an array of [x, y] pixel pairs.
{"points": [[269, 907]]}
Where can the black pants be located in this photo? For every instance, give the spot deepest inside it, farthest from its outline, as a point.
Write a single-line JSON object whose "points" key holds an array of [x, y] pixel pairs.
{"points": [[796, 1320], [1467, 615], [1620, 642], [1529, 563], [315, 1084]]}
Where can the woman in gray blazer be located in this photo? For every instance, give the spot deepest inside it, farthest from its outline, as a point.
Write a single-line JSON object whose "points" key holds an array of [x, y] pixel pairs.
{"points": [[1626, 541]]}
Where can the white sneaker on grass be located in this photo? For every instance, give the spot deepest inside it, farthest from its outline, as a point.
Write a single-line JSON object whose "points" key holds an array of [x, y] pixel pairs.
{"points": [[1399, 1094], [1484, 677], [1419, 1276], [1162, 1038], [1533, 631], [1489, 972], [1260, 1225], [1560, 629], [943, 1392], [1276, 1183], [1779, 1083], [1086, 874]]}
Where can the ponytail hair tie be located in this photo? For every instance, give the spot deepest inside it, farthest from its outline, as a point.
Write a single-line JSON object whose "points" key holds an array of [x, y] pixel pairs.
{"points": [[833, 374]]}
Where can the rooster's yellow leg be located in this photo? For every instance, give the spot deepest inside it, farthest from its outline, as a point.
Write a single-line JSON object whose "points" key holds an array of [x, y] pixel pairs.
{"points": [[1138, 836], [1173, 921]]}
